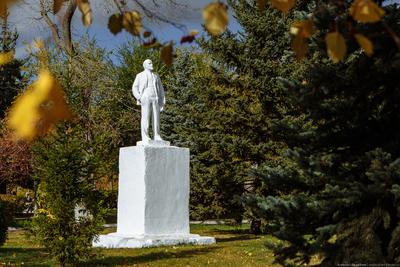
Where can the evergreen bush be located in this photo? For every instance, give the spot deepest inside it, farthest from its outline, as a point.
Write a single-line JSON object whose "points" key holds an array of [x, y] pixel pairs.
{"points": [[338, 203], [226, 102], [70, 214]]}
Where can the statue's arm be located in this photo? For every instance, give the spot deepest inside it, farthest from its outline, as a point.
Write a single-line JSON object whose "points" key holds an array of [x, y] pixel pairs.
{"points": [[162, 93], [135, 88]]}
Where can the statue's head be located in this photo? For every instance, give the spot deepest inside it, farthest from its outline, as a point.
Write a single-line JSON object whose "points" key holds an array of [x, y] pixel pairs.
{"points": [[148, 64]]}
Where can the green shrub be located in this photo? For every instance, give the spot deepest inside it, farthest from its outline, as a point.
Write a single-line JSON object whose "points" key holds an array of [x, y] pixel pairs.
{"points": [[66, 166]]}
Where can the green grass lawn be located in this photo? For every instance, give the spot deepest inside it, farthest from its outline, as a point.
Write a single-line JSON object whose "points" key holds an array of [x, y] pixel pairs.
{"points": [[235, 247]]}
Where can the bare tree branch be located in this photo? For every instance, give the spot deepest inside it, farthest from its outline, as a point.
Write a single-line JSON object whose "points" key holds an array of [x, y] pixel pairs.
{"points": [[155, 16], [62, 32], [66, 26], [53, 27], [152, 14], [64, 41]]}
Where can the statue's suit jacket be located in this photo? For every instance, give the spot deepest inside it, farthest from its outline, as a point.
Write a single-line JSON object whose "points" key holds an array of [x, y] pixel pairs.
{"points": [[141, 83]]}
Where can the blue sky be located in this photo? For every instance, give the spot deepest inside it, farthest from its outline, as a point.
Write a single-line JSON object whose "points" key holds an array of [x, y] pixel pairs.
{"points": [[25, 18]]}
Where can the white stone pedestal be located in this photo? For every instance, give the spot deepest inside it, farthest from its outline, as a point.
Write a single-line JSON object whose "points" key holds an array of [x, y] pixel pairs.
{"points": [[153, 199]]}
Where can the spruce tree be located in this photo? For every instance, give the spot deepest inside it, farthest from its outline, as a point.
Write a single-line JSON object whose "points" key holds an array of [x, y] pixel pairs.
{"points": [[232, 99], [342, 194], [70, 210], [196, 116], [71, 160]]}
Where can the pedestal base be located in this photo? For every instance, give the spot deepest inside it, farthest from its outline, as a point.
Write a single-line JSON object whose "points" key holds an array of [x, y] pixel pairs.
{"points": [[115, 240], [153, 198], [153, 191]]}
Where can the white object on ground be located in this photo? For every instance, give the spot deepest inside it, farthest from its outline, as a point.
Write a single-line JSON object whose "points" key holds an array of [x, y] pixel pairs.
{"points": [[116, 240]]}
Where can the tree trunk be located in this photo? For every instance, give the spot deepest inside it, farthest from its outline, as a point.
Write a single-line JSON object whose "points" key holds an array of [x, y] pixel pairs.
{"points": [[63, 41], [66, 26]]}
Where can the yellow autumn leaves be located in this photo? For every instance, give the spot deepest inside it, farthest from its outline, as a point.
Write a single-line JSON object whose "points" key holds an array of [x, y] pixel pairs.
{"points": [[283, 5], [302, 30], [83, 6], [216, 19], [39, 108], [6, 57], [366, 11], [364, 43], [362, 11], [85, 9], [336, 46], [36, 111], [131, 21], [337, 49]]}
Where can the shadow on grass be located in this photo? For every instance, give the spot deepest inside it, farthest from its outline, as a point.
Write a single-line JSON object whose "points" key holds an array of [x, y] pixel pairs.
{"points": [[235, 238], [27, 251], [229, 231], [147, 258], [26, 256]]}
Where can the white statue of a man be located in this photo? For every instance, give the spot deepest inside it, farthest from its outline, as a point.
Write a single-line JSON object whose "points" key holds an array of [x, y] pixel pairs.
{"points": [[149, 93]]}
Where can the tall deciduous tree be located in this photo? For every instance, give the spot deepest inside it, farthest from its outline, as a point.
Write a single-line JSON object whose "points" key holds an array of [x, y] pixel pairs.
{"points": [[61, 33], [15, 161]]}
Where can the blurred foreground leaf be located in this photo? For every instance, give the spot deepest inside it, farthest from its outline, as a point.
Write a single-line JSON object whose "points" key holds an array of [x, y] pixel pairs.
{"points": [[167, 54], [301, 30], [132, 22], [216, 19], [86, 10], [365, 44], [283, 5], [336, 46], [366, 11], [6, 58], [39, 108]]}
